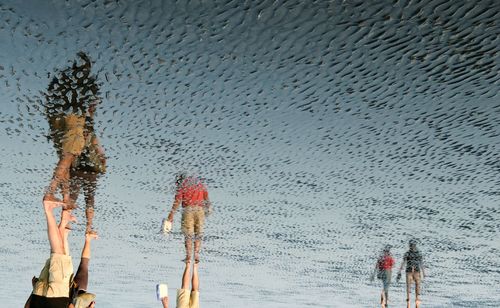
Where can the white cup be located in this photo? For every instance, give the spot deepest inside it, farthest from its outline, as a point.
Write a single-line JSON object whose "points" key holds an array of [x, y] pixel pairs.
{"points": [[166, 226], [161, 291]]}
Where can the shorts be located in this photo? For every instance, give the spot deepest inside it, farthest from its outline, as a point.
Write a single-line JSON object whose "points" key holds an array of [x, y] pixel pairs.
{"points": [[413, 277], [188, 299], [193, 219], [55, 276], [385, 276], [73, 140], [48, 302]]}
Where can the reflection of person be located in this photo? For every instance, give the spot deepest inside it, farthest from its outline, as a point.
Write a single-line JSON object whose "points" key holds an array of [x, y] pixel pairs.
{"points": [[67, 100], [414, 272], [87, 168], [51, 288], [79, 295], [383, 268], [193, 195], [187, 298]]}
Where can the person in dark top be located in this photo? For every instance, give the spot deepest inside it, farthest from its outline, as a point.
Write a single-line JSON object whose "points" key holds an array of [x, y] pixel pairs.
{"points": [[383, 269], [414, 272], [78, 293]]}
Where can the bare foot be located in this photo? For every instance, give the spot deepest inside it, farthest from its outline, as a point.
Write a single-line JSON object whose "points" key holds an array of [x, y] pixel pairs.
{"points": [[51, 203], [91, 235]]}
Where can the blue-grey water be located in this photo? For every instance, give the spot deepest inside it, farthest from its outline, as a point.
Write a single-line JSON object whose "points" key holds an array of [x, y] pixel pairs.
{"points": [[325, 130]]}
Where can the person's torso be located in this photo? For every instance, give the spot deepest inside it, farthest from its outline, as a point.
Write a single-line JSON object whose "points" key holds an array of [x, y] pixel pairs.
{"points": [[385, 262], [413, 261], [192, 193]]}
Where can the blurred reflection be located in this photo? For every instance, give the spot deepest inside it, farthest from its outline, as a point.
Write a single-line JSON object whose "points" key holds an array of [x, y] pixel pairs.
{"points": [[87, 167], [192, 193], [414, 272], [383, 270], [67, 100], [51, 288]]}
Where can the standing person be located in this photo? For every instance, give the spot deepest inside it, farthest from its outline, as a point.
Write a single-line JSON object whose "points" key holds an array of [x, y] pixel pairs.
{"points": [[67, 99], [383, 269], [414, 272], [187, 298], [51, 288], [87, 168], [192, 193]]}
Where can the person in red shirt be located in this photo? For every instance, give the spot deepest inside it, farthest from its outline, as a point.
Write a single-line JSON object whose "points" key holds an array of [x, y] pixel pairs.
{"points": [[383, 268], [192, 193]]}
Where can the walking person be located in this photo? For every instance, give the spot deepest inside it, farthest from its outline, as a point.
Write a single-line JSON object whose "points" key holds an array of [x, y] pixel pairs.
{"points": [[187, 298], [383, 270], [414, 272], [51, 287], [192, 193]]}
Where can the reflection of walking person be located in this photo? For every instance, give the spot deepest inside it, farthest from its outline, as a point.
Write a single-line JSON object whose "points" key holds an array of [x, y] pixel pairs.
{"points": [[68, 97], [414, 272], [383, 268], [86, 169], [193, 195]]}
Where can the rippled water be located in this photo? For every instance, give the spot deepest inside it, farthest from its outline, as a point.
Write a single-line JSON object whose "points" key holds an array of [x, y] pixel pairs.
{"points": [[324, 129]]}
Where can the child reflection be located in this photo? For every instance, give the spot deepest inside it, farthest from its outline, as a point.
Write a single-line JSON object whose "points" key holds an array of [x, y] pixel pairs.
{"points": [[383, 270], [68, 98], [51, 289], [192, 193], [87, 168]]}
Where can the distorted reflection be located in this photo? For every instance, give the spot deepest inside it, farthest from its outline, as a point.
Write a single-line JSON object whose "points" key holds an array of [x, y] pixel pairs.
{"points": [[186, 297], [87, 167], [414, 272], [383, 270], [192, 194], [68, 99]]}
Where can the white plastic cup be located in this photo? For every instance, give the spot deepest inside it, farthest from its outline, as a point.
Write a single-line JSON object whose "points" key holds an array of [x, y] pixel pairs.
{"points": [[166, 226], [161, 291]]}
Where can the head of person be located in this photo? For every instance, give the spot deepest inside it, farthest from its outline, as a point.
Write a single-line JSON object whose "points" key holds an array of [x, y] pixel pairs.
{"points": [[179, 178], [83, 300], [413, 244], [387, 250]]}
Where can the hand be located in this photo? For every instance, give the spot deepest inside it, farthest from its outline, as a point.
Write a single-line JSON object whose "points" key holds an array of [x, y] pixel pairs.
{"points": [[171, 217]]}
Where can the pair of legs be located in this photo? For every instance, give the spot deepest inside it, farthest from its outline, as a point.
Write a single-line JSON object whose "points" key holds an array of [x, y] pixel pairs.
{"points": [[57, 234], [193, 220], [386, 281], [88, 182], [413, 278], [187, 300], [60, 179]]}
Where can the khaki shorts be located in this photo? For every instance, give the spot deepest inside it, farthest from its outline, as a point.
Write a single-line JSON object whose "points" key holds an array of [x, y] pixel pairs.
{"points": [[54, 278], [188, 299], [73, 140], [193, 219]]}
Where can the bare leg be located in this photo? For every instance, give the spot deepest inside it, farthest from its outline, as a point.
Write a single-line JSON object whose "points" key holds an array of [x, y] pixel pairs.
{"points": [[89, 212], [61, 175], [197, 247], [195, 282], [186, 276], [55, 239], [64, 229], [82, 274], [188, 243], [89, 186]]}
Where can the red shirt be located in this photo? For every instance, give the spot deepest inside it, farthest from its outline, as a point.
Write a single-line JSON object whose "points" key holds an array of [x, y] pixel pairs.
{"points": [[385, 262], [192, 192]]}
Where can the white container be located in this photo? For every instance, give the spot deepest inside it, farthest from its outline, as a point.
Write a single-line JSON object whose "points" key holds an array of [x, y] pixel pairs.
{"points": [[161, 291], [166, 226]]}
